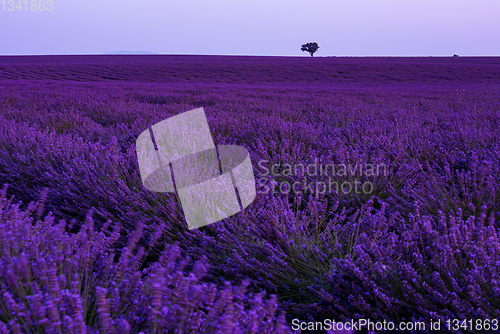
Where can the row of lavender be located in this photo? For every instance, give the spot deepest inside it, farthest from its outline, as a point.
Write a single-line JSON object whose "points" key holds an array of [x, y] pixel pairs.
{"points": [[295, 71], [424, 245], [55, 282]]}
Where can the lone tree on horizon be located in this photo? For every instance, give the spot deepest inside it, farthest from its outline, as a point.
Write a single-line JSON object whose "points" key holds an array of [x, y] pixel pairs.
{"points": [[310, 47]]}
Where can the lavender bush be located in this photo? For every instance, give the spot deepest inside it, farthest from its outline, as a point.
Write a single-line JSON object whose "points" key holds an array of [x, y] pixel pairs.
{"points": [[55, 282], [423, 245]]}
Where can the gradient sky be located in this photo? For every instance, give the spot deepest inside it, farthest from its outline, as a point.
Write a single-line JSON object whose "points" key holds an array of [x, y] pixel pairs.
{"points": [[255, 27]]}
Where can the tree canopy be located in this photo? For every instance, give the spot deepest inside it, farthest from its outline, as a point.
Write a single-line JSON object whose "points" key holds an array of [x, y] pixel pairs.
{"points": [[310, 47]]}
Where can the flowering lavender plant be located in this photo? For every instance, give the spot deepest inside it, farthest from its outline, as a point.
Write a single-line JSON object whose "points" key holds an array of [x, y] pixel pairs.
{"points": [[56, 282]]}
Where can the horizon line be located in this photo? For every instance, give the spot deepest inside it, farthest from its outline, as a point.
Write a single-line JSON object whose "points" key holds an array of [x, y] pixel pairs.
{"points": [[145, 53]]}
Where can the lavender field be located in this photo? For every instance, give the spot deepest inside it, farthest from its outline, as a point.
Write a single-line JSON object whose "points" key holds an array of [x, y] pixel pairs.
{"points": [[87, 249]]}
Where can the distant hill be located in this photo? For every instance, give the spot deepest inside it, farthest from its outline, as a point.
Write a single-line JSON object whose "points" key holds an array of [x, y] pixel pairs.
{"points": [[130, 53]]}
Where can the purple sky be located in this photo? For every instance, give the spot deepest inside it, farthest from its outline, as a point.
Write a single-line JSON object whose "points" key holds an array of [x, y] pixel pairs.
{"points": [[255, 27]]}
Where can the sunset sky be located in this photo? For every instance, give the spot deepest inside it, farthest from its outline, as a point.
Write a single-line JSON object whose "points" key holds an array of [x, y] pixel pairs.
{"points": [[255, 27]]}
